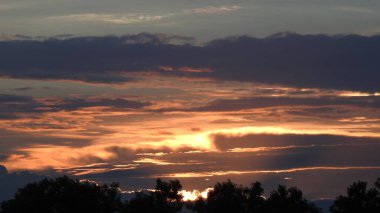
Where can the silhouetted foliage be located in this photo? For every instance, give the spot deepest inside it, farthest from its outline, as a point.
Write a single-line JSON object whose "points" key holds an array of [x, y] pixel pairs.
{"points": [[64, 195], [142, 202], [230, 197], [359, 199], [198, 206], [164, 199], [255, 198], [288, 201], [227, 197]]}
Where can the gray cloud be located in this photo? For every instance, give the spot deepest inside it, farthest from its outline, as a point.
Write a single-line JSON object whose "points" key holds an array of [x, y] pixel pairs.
{"points": [[317, 61], [23, 88], [11, 106], [355, 158], [264, 102], [281, 152], [13, 140], [225, 142], [10, 182], [117, 103], [14, 106]]}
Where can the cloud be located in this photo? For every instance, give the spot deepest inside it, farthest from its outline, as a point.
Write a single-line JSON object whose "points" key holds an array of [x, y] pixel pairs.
{"points": [[10, 182], [227, 142], [273, 153], [13, 142], [305, 61], [291, 170], [3, 170], [306, 154], [139, 18], [184, 69], [14, 106], [116, 103], [23, 88], [271, 165], [213, 9], [313, 61], [158, 39], [306, 105], [108, 18]]}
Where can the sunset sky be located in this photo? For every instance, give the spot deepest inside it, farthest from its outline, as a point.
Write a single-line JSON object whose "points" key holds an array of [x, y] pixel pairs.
{"points": [[279, 91]]}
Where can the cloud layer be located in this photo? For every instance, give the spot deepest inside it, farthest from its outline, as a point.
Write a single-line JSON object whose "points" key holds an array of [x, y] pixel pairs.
{"points": [[306, 61]]}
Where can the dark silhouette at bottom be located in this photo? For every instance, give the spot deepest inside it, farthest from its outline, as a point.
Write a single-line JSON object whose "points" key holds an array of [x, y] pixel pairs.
{"points": [[359, 199], [66, 195]]}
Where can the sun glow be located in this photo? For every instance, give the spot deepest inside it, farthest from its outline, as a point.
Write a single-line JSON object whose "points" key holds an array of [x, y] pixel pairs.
{"points": [[195, 194], [356, 94]]}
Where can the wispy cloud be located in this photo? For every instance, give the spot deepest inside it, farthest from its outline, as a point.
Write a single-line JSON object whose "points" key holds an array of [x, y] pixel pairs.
{"points": [[185, 69], [222, 173], [109, 18], [136, 18], [214, 9]]}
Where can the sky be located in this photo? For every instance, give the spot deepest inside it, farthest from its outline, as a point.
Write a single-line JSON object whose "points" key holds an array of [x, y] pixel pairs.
{"points": [[203, 19], [283, 92]]}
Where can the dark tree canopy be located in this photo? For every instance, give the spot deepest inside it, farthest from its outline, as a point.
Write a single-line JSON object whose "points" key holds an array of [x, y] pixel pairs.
{"points": [[288, 201], [165, 199], [358, 199], [230, 197], [226, 197], [255, 198], [64, 195]]}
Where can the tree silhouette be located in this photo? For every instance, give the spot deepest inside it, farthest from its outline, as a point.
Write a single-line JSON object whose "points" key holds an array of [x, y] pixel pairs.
{"points": [[198, 206], [227, 197], [358, 199], [255, 198], [142, 202], [288, 201], [64, 195], [230, 197], [164, 199]]}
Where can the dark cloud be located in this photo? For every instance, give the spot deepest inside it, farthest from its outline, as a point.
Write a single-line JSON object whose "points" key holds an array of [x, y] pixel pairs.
{"points": [[23, 88], [347, 62], [13, 140], [222, 105], [10, 182], [351, 155], [14, 106], [117, 103], [47, 88], [11, 106], [288, 151], [277, 152], [304, 151], [3, 170], [319, 61], [225, 142], [158, 39]]}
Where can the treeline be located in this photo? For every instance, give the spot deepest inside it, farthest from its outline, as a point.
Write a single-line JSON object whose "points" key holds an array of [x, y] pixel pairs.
{"points": [[66, 195]]}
